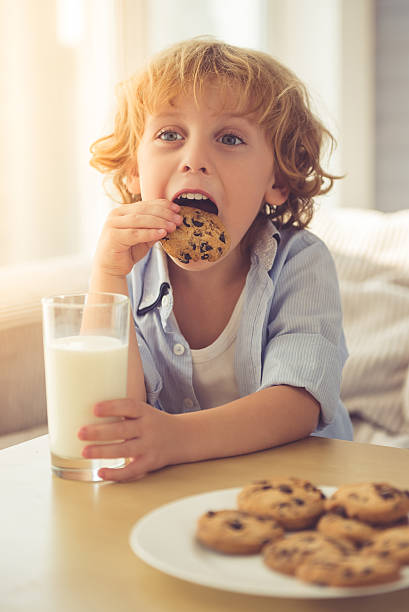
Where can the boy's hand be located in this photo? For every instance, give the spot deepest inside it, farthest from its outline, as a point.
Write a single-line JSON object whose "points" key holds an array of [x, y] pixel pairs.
{"points": [[130, 231], [148, 438]]}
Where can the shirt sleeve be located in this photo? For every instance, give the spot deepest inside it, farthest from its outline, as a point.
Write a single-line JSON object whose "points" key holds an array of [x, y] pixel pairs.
{"points": [[306, 345]]}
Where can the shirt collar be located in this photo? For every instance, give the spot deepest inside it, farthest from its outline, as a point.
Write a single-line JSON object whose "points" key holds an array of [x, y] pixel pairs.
{"points": [[156, 281], [265, 248]]}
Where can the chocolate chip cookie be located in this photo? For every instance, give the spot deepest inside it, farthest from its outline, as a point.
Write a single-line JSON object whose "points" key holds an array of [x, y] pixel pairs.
{"points": [[374, 503], [201, 237], [293, 502], [287, 554], [236, 533], [339, 527], [391, 544], [352, 570]]}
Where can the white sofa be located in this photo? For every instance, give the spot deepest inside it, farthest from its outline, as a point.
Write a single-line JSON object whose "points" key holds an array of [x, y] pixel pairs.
{"points": [[22, 389], [371, 253]]}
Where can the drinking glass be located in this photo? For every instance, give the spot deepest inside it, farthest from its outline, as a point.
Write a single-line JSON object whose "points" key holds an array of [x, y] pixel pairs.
{"points": [[85, 338]]}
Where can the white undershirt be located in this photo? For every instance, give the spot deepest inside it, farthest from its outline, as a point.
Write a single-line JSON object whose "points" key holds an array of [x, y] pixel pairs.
{"points": [[214, 380]]}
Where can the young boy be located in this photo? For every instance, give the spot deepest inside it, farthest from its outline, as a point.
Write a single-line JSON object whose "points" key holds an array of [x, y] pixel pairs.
{"points": [[241, 353]]}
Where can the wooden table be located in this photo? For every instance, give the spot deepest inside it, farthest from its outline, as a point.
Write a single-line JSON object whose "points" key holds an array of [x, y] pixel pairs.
{"points": [[64, 544]]}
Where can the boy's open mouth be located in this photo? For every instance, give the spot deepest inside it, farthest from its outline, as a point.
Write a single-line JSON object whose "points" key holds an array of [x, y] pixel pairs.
{"points": [[196, 200]]}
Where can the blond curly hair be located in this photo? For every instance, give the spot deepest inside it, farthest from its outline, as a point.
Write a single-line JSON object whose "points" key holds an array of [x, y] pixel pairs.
{"points": [[274, 97]]}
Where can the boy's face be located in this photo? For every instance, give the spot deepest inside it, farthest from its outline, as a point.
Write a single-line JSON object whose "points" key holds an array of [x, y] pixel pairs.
{"points": [[188, 147]]}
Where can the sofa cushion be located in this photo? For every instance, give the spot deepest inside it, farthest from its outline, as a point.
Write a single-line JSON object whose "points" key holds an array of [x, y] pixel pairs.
{"points": [[371, 253]]}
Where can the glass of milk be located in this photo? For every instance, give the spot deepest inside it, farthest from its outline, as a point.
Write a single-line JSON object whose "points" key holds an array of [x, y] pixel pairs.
{"points": [[86, 361]]}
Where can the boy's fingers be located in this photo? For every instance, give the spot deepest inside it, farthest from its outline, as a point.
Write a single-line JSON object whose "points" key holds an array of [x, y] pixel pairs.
{"points": [[121, 430], [125, 407], [135, 470], [128, 448], [146, 207], [130, 237], [146, 221]]}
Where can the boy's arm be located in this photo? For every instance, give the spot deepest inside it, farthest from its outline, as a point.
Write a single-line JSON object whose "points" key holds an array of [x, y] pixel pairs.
{"points": [[128, 233], [267, 418]]}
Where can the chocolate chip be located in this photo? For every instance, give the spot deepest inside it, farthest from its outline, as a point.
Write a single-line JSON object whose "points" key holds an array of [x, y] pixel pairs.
{"points": [[385, 491], [185, 258], [236, 524], [348, 573], [205, 256], [339, 511], [298, 501], [210, 513], [205, 246], [387, 495], [197, 223], [367, 571], [285, 489], [222, 238], [284, 552], [265, 487], [185, 222]]}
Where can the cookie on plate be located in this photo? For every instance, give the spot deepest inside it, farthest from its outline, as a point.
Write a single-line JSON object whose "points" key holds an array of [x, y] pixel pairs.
{"points": [[371, 502], [353, 571], [339, 527], [236, 533], [201, 237], [390, 544], [290, 552], [295, 503]]}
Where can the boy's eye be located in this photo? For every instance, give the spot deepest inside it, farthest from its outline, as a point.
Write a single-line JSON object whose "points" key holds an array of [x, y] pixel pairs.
{"points": [[169, 136], [231, 139]]}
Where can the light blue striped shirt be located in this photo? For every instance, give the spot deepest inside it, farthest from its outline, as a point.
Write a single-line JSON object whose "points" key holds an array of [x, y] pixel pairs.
{"points": [[290, 331]]}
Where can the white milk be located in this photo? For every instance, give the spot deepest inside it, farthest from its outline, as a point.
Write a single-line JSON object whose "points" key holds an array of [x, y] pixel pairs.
{"points": [[80, 371]]}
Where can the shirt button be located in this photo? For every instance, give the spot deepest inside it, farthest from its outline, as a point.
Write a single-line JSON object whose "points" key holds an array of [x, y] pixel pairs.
{"points": [[178, 349], [188, 403]]}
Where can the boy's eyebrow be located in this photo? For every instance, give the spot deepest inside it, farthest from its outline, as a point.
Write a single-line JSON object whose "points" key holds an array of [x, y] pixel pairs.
{"points": [[223, 117]]}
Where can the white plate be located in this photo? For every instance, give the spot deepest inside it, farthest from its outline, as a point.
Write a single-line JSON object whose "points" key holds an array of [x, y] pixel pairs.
{"points": [[164, 538]]}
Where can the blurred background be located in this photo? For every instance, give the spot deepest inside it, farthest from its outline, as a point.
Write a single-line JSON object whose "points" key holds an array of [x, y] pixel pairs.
{"points": [[60, 61]]}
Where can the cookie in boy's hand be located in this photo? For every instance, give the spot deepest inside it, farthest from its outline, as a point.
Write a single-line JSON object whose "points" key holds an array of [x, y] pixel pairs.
{"points": [[236, 533], [200, 237]]}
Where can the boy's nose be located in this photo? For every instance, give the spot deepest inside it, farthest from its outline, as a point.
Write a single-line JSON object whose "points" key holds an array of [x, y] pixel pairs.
{"points": [[194, 158], [190, 167]]}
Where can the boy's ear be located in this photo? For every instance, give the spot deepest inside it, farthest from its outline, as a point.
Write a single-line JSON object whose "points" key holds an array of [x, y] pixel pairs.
{"points": [[133, 183], [276, 195]]}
